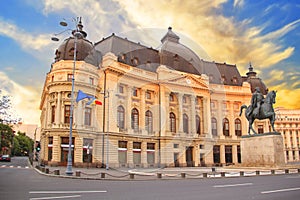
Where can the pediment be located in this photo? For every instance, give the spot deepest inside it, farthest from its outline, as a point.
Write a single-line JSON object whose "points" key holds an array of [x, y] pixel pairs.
{"points": [[189, 81]]}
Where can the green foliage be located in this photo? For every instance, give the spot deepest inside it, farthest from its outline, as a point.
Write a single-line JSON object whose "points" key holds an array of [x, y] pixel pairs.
{"points": [[6, 138], [23, 145]]}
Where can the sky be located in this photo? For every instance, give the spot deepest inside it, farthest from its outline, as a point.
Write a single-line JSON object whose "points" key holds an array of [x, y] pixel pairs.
{"points": [[265, 33]]}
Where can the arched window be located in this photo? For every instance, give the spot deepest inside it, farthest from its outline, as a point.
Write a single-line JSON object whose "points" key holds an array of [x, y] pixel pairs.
{"points": [[214, 130], [121, 117], [198, 125], [135, 120], [172, 122], [149, 121], [185, 123], [225, 127], [238, 127]]}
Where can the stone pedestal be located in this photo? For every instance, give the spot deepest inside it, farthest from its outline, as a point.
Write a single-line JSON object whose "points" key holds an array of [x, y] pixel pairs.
{"points": [[263, 150]]}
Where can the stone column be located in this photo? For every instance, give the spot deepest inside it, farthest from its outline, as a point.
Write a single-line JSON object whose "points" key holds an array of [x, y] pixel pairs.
{"points": [[193, 115], [206, 117], [234, 154], [222, 154], [144, 154], [78, 152], [220, 119], [56, 150], [58, 109], [130, 153], [80, 114], [128, 108], [231, 120], [180, 113], [142, 110]]}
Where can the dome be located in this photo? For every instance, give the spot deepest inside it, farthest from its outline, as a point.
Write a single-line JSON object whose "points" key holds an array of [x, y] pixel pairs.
{"points": [[171, 45], [66, 50], [83, 46]]}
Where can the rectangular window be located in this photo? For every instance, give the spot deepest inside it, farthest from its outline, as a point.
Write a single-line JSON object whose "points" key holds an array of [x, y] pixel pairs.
{"points": [[134, 92], [87, 116], [121, 89], [52, 114], [87, 150], [136, 153], [122, 152], [216, 154], [50, 146], [70, 76], [67, 113], [91, 81], [150, 153], [176, 146], [148, 95]]}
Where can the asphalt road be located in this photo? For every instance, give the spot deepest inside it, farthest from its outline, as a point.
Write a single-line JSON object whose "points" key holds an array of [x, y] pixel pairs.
{"points": [[25, 183]]}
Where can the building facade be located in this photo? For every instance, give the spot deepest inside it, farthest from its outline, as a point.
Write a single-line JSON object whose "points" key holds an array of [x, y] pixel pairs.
{"points": [[161, 107], [288, 123]]}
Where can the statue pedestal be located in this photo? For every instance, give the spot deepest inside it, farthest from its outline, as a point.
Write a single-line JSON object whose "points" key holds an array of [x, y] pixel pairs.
{"points": [[263, 150]]}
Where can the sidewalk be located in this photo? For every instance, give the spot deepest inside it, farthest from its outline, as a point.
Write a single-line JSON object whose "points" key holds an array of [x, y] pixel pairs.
{"points": [[125, 174]]}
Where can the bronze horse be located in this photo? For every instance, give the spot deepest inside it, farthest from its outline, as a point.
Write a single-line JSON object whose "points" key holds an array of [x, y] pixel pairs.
{"points": [[266, 112]]}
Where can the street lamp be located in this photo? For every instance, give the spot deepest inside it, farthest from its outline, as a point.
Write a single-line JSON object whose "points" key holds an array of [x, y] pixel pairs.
{"points": [[78, 34]]}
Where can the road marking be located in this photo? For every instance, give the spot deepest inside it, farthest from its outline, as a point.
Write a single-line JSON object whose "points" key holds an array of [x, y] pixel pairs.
{"points": [[282, 190], [233, 185], [60, 197], [63, 192]]}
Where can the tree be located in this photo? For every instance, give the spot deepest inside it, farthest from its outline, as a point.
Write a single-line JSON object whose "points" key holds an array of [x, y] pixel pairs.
{"points": [[6, 138], [23, 145], [6, 110]]}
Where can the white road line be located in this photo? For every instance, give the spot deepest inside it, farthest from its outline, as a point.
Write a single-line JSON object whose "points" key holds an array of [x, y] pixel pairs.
{"points": [[64, 192], [60, 197], [233, 185], [282, 190]]}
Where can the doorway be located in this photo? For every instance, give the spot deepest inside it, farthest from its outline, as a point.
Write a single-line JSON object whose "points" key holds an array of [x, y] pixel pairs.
{"points": [[189, 157]]}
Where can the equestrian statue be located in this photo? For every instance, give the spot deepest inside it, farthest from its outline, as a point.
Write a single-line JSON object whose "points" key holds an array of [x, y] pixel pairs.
{"points": [[260, 108]]}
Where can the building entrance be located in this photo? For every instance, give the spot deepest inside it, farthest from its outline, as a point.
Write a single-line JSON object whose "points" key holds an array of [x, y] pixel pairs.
{"points": [[189, 157]]}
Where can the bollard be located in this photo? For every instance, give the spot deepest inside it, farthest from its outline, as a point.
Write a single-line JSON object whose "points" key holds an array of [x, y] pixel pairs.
{"points": [[213, 169], [158, 175], [102, 174], [241, 173], [131, 176], [272, 171], [222, 174], [56, 172], [43, 169], [286, 171], [298, 170], [47, 170], [204, 175], [257, 173], [182, 175], [78, 173]]}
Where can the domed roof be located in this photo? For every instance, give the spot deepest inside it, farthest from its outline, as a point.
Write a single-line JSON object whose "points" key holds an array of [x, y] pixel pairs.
{"points": [[66, 50], [171, 44], [83, 46]]}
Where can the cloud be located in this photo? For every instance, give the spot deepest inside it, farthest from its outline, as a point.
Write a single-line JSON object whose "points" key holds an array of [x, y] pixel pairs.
{"points": [[238, 3], [26, 40], [25, 101]]}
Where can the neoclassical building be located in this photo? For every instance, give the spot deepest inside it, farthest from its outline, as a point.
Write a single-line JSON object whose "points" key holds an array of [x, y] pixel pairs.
{"points": [[163, 107], [288, 123]]}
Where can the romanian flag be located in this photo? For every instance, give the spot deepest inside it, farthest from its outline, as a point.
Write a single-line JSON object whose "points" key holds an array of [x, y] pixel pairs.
{"points": [[94, 101]]}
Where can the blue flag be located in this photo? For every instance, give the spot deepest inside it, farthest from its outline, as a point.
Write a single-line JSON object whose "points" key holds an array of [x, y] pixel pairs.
{"points": [[81, 95]]}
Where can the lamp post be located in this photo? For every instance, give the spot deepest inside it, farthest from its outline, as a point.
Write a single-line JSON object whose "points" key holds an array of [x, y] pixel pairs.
{"points": [[77, 33]]}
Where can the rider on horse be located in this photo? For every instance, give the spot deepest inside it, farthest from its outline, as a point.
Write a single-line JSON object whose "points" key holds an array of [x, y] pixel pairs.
{"points": [[256, 101]]}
